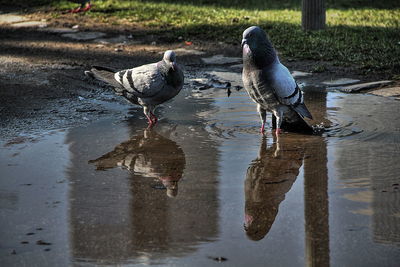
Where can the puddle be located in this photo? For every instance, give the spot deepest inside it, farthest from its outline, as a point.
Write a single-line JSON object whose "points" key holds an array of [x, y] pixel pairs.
{"points": [[204, 188]]}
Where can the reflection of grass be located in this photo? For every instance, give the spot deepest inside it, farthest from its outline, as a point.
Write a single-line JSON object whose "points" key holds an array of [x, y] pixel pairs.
{"points": [[362, 32]]}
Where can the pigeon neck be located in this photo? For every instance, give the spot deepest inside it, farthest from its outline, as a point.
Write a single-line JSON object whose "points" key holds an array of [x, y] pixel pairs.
{"points": [[260, 57], [266, 55], [172, 77]]}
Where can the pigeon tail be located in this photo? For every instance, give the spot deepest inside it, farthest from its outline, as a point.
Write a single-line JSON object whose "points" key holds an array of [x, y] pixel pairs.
{"points": [[103, 74], [298, 126], [302, 110], [295, 124]]}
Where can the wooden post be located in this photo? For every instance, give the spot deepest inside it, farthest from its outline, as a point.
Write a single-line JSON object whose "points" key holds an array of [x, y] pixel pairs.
{"points": [[313, 15]]}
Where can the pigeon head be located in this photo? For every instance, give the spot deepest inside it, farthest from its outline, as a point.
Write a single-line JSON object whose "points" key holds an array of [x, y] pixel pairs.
{"points": [[254, 36], [257, 48], [170, 58]]}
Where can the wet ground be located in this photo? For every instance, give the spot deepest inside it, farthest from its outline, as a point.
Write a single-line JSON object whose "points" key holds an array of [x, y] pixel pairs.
{"points": [[204, 188], [84, 183]]}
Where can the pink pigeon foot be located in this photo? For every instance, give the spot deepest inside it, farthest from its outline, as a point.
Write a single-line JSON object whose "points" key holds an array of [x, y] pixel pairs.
{"points": [[262, 128], [153, 118], [150, 122], [278, 131]]}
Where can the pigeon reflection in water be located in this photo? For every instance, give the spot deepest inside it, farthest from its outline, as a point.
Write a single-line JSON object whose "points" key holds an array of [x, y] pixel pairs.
{"points": [[150, 155], [268, 179]]}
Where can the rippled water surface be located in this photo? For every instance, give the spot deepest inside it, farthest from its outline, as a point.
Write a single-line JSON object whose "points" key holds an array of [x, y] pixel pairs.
{"points": [[204, 188]]}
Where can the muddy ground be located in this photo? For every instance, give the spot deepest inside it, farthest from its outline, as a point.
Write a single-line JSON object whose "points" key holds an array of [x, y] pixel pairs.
{"points": [[42, 72]]}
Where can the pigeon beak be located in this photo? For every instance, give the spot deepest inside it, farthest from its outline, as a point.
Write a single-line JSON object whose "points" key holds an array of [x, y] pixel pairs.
{"points": [[244, 41]]}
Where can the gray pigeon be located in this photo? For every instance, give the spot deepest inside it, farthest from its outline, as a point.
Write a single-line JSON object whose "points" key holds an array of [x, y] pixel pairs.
{"points": [[148, 85], [270, 84]]}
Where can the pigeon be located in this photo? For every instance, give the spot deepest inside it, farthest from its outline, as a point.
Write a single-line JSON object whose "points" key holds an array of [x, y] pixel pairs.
{"points": [[85, 6], [268, 179], [148, 154], [270, 84], [148, 85]]}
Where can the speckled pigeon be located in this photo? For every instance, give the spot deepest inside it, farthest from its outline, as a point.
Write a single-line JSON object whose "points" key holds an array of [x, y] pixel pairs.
{"points": [[270, 84], [148, 85]]}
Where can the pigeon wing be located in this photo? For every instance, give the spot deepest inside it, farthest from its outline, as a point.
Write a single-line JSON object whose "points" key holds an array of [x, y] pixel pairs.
{"points": [[284, 86], [144, 81], [287, 91]]}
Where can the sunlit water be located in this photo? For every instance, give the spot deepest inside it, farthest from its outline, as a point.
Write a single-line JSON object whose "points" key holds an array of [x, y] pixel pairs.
{"points": [[204, 186]]}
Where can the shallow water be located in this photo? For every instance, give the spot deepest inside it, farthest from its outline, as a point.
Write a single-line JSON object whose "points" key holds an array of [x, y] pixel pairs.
{"points": [[204, 186]]}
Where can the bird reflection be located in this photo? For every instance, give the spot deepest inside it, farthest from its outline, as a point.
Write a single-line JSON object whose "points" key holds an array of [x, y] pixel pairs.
{"points": [[150, 155], [268, 179]]}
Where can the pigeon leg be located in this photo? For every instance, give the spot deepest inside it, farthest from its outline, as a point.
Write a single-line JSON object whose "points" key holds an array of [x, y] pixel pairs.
{"points": [[273, 121], [155, 119], [263, 115], [147, 113], [279, 118], [152, 116]]}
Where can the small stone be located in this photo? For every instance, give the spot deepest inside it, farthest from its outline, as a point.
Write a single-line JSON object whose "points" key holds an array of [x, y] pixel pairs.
{"points": [[83, 36], [340, 82], [27, 24], [58, 30], [297, 74], [220, 259], [13, 252], [221, 60], [184, 51], [388, 92], [359, 87], [30, 233], [43, 243], [11, 18], [120, 40], [24, 242]]}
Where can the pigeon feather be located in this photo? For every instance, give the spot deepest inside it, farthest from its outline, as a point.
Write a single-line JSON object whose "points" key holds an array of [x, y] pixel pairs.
{"points": [[270, 84], [148, 85]]}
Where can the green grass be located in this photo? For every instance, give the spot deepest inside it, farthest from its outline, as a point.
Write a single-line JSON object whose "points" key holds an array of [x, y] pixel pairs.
{"points": [[363, 33]]}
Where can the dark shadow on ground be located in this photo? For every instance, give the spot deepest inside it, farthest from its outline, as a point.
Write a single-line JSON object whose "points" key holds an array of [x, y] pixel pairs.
{"points": [[329, 45]]}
